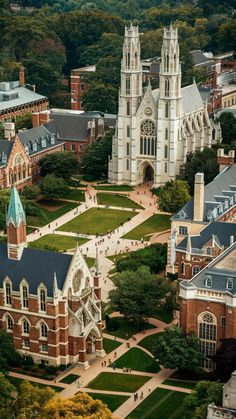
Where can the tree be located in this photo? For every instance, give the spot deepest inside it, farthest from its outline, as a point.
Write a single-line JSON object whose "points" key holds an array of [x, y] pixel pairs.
{"points": [[173, 196], [225, 359], [195, 405], [31, 192], [153, 256], [200, 161], [54, 187], [81, 405], [9, 357], [139, 294], [6, 390], [31, 401], [23, 121], [4, 201], [100, 97], [228, 126], [175, 349], [62, 164], [95, 164]]}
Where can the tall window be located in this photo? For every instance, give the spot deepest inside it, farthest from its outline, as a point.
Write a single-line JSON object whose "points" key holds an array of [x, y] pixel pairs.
{"points": [[127, 86], [167, 87], [9, 323], [42, 300], [165, 152], [25, 327], [166, 166], [207, 336], [8, 293], [127, 164], [182, 268], [230, 284], [128, 60], [43, 330], [127, 149], [148, 138], [25, 302], [166, 110], [128, 108], [128, 131], [166, 134], [183, 231]]}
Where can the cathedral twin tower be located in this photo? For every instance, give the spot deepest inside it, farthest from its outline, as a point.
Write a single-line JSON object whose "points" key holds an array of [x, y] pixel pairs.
{"points": [[156, 128]]}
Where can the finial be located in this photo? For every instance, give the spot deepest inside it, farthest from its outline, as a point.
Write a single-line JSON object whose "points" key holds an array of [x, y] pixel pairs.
{"points": [[55, 285], [188, 243]]}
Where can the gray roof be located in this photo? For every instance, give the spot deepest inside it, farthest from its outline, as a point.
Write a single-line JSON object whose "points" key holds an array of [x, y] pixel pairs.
{"points": [[215, 194], [204, 92], [220, 271], [192, 100], [16, 96], [36, 266], [5, 151], [199, 58], [38, 139], [74, 127], [221, 230]]}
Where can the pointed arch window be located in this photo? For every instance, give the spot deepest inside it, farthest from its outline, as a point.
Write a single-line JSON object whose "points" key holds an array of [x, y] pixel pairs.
{"points": [[24, 296], [148, 138], [43, 330], [8, 293], [166, 110], [182, 268], [128, 60], [136, 60], [165, 152], [166, 134], [207, 327], [167, 62], [25, 327], [127, 149], [128, 131]]}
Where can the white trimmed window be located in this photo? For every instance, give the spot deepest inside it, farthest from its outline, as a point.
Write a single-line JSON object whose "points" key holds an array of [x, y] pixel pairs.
{"points": [[25, 327], [195, 270], [9, 324], [26, 344], [230, 284], [43, 330], [44, 347], [183, 230], [207, 335], [25, 301], [42, 299], [8, 292], [222, 321], [182, 268], [208, 281]]}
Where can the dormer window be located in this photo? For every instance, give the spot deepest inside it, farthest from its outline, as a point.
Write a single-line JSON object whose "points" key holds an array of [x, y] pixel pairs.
{"points": [[230, 284], [208, 282], [43, 142], [208, 251], [34, 146]]}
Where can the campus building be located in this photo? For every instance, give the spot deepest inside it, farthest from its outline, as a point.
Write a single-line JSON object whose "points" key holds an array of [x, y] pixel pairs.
{"points": [[50, 303], [228, 408], [157, 128], [20, 154], [16, 99]]}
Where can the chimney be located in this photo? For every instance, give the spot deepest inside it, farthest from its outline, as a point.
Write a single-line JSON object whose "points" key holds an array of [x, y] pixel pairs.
{"points": [[22, 76], [225, 160], [231, 240], [40, 118], [198, 197], [9, 130]]}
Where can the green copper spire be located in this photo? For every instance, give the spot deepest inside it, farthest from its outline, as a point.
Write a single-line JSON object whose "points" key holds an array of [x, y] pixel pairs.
{"points": [[16, 213]]}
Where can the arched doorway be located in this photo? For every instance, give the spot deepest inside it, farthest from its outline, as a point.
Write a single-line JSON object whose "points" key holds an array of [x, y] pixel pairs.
{"points": [[148, 174]]}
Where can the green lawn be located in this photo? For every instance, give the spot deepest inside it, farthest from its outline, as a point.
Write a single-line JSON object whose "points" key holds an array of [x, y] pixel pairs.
{"points": [[154, 224], [125, 330], [44, 216], [75, 195], [118, 382], [90, 261], [59, 242], [150, 341], [137, 360], [161, 404], [110, 345], [97, 221], [111, 400], [118, 188], [180, 383], [116, 200], [17, 381], [70, 378]]}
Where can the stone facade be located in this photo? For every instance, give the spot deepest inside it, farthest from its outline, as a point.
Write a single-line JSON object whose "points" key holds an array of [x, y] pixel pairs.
{"points": [[228, 408]]}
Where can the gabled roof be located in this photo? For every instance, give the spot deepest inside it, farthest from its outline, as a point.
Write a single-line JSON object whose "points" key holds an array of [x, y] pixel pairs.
{"points": [[216, 193], [199, 58], [38, 139], [15, 213], [17, 96], [220, 271], [192, 100], [221, 230], [36, 266]]}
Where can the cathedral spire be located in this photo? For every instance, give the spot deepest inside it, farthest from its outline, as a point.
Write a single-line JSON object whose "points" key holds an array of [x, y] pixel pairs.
{"points": [[16, 226]]}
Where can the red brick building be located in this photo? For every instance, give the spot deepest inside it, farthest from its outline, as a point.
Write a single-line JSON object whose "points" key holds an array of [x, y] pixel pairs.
{"points": [[16, 99], [49, 302], [20, 154], [208, 303]]}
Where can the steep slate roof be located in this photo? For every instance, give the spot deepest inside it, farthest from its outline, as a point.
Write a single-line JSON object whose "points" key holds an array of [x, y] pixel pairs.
{"points": [[36, 266], [220, 271], [215, 192], [34, 137], [200, 58], [191, 98], [5, 151], [24, 96], [221, 230], [15, 213]]}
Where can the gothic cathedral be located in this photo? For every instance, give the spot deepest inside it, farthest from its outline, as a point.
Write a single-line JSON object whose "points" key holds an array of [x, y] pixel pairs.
{"points": [[156, 128]]}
